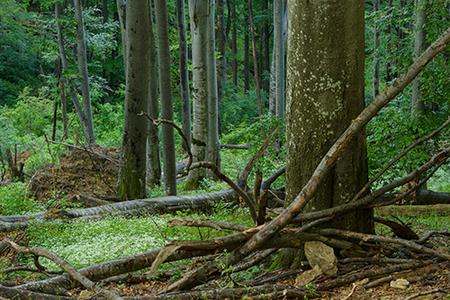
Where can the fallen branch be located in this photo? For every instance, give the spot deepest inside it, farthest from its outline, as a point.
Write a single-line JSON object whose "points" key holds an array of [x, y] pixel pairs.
{"points": [[429, 292], [235, 146], [218, 225], [383, 239], [68, 268], [22, 294]]}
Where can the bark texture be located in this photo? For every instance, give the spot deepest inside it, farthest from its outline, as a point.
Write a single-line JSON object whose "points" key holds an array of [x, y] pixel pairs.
{"points": [[325, 92], [418, 105], [83, 69], [184, 74], [132, 173], [153, 152], [165, 88]]}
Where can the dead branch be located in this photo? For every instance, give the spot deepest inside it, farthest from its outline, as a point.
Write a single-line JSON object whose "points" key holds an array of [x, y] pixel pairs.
{"points": [[350, 278], [429, 292], [68, 268], [22, 294], [399, 157], [87, 149], [235, 146], [215, 170], [375, 260], [400, 230], [218, 225], [254, 259], [429, 234], [382, 239], [242, 182], [268, 182], [268, 291]]}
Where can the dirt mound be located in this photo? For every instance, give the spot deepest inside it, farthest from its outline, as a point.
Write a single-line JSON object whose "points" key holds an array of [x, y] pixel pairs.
{"points": [[90, 172]]}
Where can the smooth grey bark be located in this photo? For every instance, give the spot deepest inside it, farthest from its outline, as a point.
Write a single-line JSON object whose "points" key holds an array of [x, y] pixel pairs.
{"points": [[418, 106], [213, 145], [198, 15], [279, 56], [132, 181], [153, 152], [376, 55], [83, 69], [325, 92], [265, 48], [246, 55], [165, 89], [184, 74]]}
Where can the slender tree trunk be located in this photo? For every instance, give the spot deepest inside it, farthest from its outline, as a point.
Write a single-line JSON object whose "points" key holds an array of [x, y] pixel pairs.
{"points": [[418, 106], [122, 14], [389, 77], [376, 56], [279, 52], [132, 181], [198, 15], [246, 58], [153, 153], [221, 45], [265, 45], [83, 69], [255, 58], [213, 99], [62, 80], [184, 75], [105, 12], [325, 92], [232, 12], [166, 96]]}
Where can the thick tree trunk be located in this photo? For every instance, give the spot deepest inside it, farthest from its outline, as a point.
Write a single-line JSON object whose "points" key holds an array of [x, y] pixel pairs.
{"points": [[83, 69], [213, 145], [198, 13], [255, 57], [153, 152], [183, 67], [418, 106], [376, 56], [325, 92], [166, 96], [132, 181]]}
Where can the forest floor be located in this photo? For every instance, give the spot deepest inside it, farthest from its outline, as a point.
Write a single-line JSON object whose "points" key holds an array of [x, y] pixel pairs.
{"points": [[87, 242]]}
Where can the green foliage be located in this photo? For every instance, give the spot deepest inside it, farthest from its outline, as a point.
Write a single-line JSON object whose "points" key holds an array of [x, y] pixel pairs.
{"points": [[14, 200]]}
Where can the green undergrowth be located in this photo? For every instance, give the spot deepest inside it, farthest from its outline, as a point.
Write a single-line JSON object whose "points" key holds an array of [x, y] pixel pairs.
{"points": [[14, 200], [84, 243]]}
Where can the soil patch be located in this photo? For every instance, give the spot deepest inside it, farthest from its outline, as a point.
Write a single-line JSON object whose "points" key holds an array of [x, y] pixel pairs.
{"points": [[92, 172]]}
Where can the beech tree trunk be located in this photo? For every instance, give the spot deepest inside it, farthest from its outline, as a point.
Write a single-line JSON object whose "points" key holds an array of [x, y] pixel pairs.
{"points": [[198, 14], [279, 53], [83, 69], [232, 12], [246, 56], [221, 45], [132, 181], [325, 92], [184, 74], [255, 58], [213, 145], [418, 106], [376, 56], [153, 152], [265, 49], [166, 96], [121, 11]]}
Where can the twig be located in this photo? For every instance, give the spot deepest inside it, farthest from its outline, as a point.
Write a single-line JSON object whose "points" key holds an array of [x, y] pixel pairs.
{"points": [[429, 234], [242, 182], [88, 150], [68, 268], [383, 239], [400, 156], [433, 291], [268, 182], [218, 225], [215, 170]]}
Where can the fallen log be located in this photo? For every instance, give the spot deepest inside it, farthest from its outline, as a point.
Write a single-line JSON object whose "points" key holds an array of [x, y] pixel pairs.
{"points": [[427, 197], [21, 294], [288, 238], [132, 207]]}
